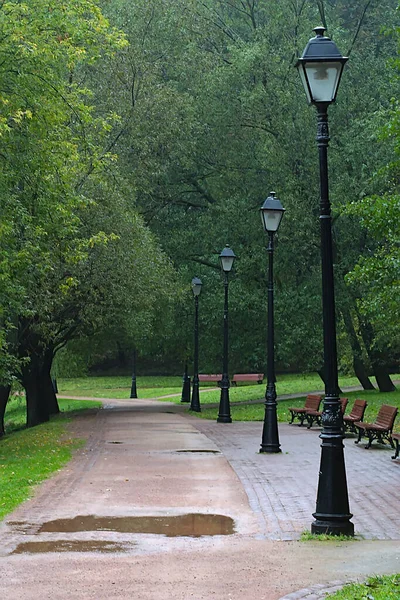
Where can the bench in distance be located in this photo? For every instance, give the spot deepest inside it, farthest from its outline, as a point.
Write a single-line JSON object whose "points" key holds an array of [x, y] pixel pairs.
{"points": [[258, 377]]}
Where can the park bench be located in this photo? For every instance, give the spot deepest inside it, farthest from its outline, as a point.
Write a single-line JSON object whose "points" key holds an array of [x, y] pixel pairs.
{"points": [[356, 414], [312, 402], [211, 377], [381, 429], [315, 415], [396, 438], [258, 377]]}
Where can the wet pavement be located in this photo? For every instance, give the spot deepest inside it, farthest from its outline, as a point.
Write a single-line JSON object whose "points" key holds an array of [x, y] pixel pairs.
{"points": [[160, 504]]}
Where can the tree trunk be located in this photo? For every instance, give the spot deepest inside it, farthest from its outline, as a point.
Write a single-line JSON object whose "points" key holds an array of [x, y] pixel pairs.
{"points": [[4, 395], [383, 378], [321, 373], [377, 359], [358, 363], [37, 410], [46, 383]]}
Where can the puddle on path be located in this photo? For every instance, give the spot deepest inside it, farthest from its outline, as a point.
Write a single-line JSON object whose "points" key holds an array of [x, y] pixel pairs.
{"points": [[192, 525], [68, 546], [201, 451]]}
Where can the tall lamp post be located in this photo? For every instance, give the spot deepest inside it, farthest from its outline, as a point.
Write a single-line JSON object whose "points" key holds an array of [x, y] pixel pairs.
{"points": [[271, 216], [227, 258], [195, 401], [320, 69]]}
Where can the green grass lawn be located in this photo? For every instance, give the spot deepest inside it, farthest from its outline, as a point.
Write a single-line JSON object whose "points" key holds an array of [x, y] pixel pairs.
{"points": [[28, 456], [156, 387], [119, 387], [376, 588], [255, 412]]}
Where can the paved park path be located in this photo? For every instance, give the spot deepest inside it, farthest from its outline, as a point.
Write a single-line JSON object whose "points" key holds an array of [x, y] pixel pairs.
{"points": [[78, 537]]}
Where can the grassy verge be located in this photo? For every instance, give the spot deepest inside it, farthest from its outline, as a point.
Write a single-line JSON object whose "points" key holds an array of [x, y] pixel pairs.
{"points": [[255, 412], [29, 456], [376, 588], [156, 387], [119, 387]]}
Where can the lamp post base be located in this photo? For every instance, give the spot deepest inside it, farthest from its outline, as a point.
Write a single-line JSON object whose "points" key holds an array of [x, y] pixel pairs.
{"points": [[224, 413], [224, 420], [133, 393], [195, 402], [271, 448], [270, 435], [337, 526]]}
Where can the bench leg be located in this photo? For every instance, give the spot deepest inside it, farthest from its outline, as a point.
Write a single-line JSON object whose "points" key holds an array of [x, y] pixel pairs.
{"points": [[302, 416], [360, 434], [311, 419], [397, 449], [371, 437]]}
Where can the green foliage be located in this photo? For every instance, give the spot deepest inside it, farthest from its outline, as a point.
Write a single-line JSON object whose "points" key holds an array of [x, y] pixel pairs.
{"points": [[383, 587], [74, 254], [214, 119], [211, 117]]}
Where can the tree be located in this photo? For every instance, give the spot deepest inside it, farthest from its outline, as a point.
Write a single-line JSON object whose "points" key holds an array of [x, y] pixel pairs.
{"points": [[72, 248]]}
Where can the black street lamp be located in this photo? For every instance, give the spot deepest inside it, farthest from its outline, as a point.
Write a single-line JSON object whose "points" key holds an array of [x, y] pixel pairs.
{"points": [[227, 258], [133, 386], [271, 216], [185, 385], [320, 69], [195, 402]]}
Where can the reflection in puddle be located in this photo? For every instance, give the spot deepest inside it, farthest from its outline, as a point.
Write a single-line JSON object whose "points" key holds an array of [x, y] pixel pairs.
{"points": [[68, 546], [193, 525]]}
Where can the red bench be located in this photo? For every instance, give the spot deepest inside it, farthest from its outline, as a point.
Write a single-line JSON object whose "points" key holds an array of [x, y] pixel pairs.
{"points": [[312, 403], [316, 415], [212, 377], [258, 377], [356, 414], [382, 427]]}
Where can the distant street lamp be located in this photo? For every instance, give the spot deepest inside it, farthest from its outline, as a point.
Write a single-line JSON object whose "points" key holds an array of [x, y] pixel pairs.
{"points": [[271, 216], [133, 386], [320, 68], [185, 386], [227, 258], [195, 402]]}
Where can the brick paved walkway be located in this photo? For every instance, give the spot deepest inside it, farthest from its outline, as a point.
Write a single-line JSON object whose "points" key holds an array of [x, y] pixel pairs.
{"points": [[282, 487]]}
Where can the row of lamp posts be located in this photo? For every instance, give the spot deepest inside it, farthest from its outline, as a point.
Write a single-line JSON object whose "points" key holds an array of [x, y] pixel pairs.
{"points": [[271, 216], [320, 68]]}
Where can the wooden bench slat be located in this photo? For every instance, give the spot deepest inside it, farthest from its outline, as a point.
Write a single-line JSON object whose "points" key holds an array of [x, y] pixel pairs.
{"points": [[356, 414]]}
